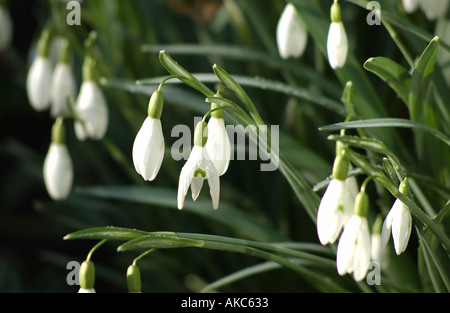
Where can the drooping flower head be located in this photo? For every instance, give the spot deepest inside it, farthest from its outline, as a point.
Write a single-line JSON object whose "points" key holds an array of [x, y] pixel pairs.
{"points": [[336, 205], [39, 76], [197, 168], [354, 247], [58, 168], [87, 277], [399, 221], [148, 146], [337, 42], [63, 84], [410, 5], [218, 144], [291, 33], [91, 107]]}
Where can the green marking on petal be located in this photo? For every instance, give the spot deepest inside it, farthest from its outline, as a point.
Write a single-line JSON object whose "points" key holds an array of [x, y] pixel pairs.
{"points": [[201, 172], [340, 208]]}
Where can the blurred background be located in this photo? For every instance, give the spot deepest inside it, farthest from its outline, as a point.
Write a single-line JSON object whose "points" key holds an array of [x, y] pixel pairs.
{"points": [[33, 254]]}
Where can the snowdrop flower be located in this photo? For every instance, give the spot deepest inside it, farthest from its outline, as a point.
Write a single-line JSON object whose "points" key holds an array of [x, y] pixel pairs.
{"points": [[434, 9], [336, 205], [58, 168], [198, 168], [337, 42], [63, 84], [6, 28], [148, 147], [91, 107], [410, 5], [398, 221], [87, 277], [291, 33], [39, 76], [218, 143], [354, 251]]}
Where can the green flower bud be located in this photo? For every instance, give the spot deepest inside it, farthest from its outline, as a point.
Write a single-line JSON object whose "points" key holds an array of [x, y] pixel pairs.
{"points": [[134, 278], [58, 131], [64, 53], [155, 105], [89, 73], [378, 225], [361, 204], [340, 167], [404, 187], [87, 275], [335, 12], [200, 134]]}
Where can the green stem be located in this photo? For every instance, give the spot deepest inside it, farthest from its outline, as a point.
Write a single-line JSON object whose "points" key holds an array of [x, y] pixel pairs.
{"points": [[88, 258], [142, 255]]}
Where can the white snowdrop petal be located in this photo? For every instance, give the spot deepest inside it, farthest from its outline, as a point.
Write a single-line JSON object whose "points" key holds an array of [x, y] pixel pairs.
{"points": [[38, 83], [401, 228], [58, 171], [63, 86], [362, 251], [291, 33], [196, 186], [386, 228], [410, 5], [376, 249], [148, 149], [84, 290], [91, 107], [337, 45], [347, 246], [218, 144], [335, 209]]}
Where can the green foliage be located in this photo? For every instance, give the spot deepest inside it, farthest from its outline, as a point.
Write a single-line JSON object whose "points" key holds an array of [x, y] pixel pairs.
{"points": [[389, 112]]}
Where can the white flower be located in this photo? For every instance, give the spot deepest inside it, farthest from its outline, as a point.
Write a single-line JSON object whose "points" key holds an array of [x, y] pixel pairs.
{"points": [[334, 211], [337, 45], [199, 167], [58, 171], [148, 149], [6, 28], [410, 5], [353, 252], [291, 33], [399, 221], [92, 109], [63, 86], [218, 144], [434, 9], [83, 290], [39, 81]]}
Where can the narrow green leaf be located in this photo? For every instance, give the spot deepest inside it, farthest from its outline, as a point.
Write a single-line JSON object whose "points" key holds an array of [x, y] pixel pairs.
{"points": [[160, 240], [388, 122], [395, 75], [113, 233]]}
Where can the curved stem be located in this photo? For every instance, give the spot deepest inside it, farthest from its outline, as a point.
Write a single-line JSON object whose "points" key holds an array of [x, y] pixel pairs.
{"points": [[95, 248]]}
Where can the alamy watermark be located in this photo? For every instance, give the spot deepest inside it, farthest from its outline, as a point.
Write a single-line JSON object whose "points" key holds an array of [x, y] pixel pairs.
{"points": [[374, 16], [74, 16]]}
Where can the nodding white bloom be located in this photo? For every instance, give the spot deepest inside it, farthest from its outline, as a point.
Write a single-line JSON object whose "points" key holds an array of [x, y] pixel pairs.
{"points": [[337, 203], [6, 28], [91, 107], [398, 221], [410, 5], [63, 85], [87, 277], [434, 9], [39, 76], [58, 168], [337, 42], [292, 35], [218, 143], [148, 147], [199, 167], [354, 247]]}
